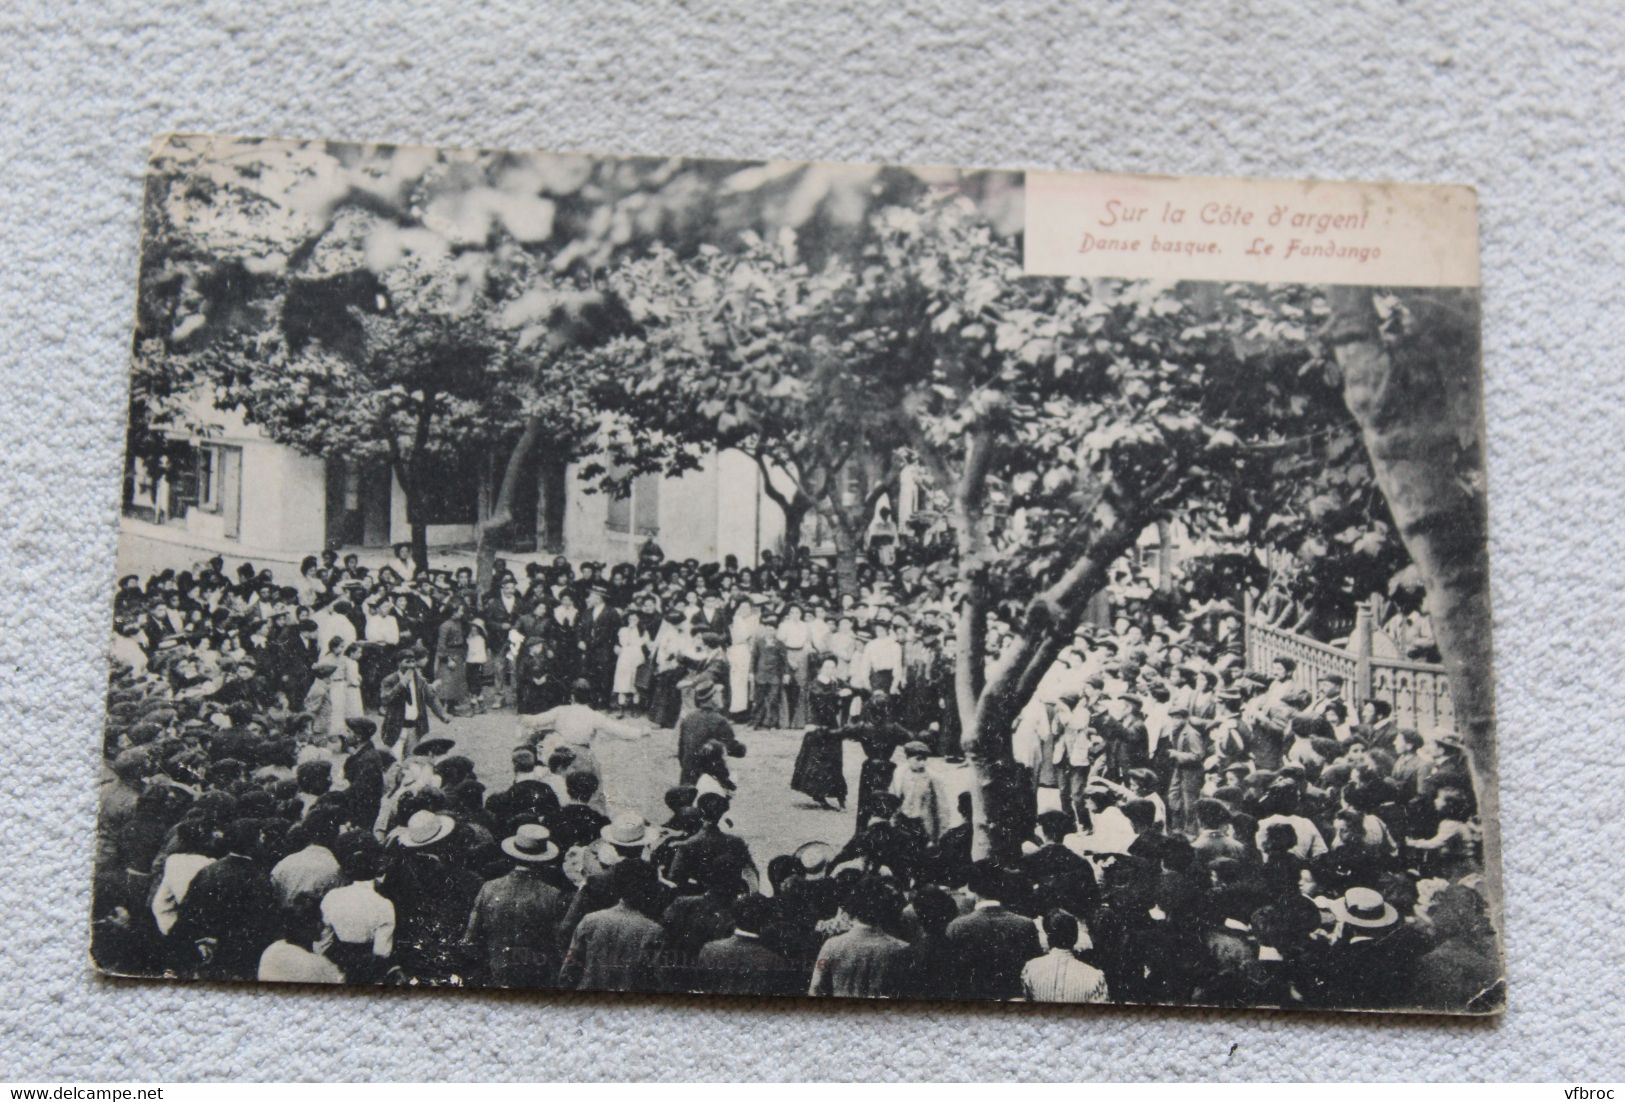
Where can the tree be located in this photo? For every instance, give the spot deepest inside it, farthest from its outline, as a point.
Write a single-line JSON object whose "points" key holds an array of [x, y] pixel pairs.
{"points": [[755, 351], [256, 249], [1095, 409], [345, 298], [1410, 365]]}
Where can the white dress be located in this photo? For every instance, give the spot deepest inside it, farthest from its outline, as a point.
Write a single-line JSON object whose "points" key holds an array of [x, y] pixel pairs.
{"points": [[632, 644], [745, 623]]}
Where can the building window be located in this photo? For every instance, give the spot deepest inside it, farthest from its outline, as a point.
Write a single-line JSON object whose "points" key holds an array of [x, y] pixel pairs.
{"points": [[639, 511], [208, 482], [620, 514], [646, 504]]}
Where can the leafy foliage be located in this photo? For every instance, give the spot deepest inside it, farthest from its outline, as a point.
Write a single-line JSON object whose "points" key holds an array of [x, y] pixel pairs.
{"points": [[421, 304]]}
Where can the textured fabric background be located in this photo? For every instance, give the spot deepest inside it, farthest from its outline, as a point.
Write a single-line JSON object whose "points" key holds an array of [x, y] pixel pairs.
{"points": [[1521, 99]]}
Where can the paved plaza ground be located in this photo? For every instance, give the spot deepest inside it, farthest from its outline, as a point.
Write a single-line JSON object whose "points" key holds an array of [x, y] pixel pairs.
{"points": [[637, 772]]}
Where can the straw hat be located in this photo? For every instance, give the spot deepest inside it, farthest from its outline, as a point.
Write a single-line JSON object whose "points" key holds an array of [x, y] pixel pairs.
{"points": [[426, 828], [1365, 908], [531, 843]]}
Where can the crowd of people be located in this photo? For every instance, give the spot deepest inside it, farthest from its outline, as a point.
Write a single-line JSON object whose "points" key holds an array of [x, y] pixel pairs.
{"points": [[1170, 826]]}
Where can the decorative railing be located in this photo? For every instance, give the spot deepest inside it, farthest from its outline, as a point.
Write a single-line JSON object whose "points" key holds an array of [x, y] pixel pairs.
{"points": [[1418, 692]]}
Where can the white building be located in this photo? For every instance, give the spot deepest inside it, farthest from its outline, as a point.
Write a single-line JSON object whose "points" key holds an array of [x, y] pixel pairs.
{"points": [[228, 489]]}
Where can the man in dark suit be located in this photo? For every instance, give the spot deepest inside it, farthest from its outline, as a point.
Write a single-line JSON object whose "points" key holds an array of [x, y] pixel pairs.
{"points": [[770, 670], [500, 612], [408, 699], [713, 853], [1187, 750], [692, 921], [1052, 859], [992, 943], [599, 634], [741, 964], [363, 772], [865, 961], [1213, 840], [704, 724], [617, 948], [230, 911]]}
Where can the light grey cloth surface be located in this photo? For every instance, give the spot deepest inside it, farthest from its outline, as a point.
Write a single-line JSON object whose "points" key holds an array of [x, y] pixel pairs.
{"points": [[1521, 99]]}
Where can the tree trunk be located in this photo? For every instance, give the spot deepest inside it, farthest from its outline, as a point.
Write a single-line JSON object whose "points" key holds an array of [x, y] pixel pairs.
{"points": [[1418, 405], [990, 700], [794, 515], [551, 490], [983, 742], [1165, 564], [848, 550], [482, 513], [793, 506], [502, 510], [413, 475], [406, 475]]}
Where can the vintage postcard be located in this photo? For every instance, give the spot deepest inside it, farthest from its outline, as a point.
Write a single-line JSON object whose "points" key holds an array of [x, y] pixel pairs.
{"points": [[584, 572]]}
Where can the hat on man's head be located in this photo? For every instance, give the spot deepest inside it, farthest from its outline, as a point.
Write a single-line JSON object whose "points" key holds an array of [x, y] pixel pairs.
{"points": [[531, 843], [425, 828], [914, 748], [1365, 908], [432, 747], [628, 830], [814, 856], [362, 725]]}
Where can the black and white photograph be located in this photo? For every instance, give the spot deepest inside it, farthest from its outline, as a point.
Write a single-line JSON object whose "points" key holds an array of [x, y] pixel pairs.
{"points": [[583, 572]]}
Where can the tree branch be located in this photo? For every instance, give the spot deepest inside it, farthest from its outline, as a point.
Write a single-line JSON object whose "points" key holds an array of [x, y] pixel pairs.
{"points": [[1054, 616], [502, 510], [774, 494]]}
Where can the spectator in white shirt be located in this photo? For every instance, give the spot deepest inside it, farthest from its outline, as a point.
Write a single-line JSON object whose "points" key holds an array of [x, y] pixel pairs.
{"points": [[292, 959], [127, 647], [358, 924], [196, 849], [882, 660]]}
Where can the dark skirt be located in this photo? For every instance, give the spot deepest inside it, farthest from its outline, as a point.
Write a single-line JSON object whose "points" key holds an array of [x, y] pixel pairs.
{"points": [[874, 779], [667, 703], [817, 771]]}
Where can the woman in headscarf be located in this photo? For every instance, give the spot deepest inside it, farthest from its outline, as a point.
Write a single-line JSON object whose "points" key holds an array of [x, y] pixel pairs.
{"points": [[451, 660]]}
